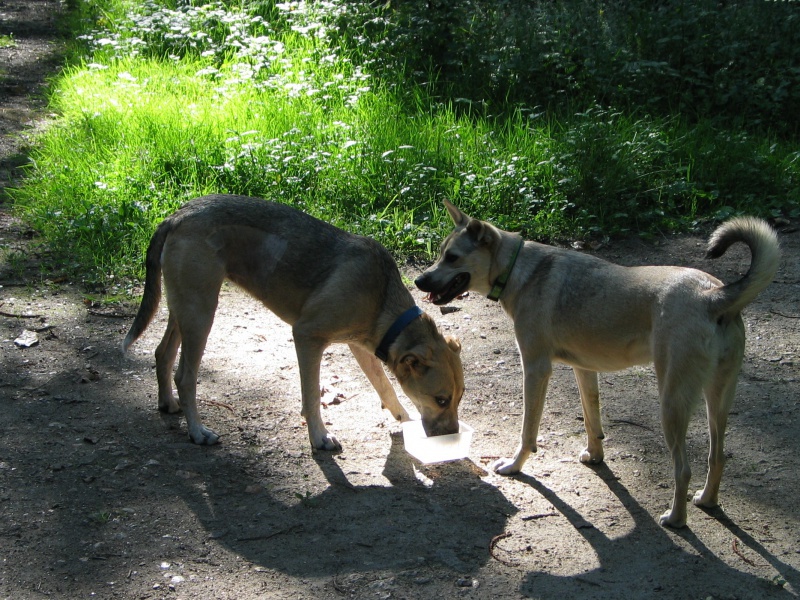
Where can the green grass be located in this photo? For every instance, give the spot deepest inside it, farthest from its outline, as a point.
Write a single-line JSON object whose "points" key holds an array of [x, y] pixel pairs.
{"points": [[171, 102]]}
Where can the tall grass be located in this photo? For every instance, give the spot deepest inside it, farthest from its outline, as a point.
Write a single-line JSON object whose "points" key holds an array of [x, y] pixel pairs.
{"points": [[177, 100]]}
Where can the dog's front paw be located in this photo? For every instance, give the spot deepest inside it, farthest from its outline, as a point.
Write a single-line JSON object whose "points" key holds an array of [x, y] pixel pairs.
{"points": [[588, 458], [400, 415], [673, 519], [203, 436], [505, 466], [509, 466], [327, 442], [167, 403], [704, 501]]}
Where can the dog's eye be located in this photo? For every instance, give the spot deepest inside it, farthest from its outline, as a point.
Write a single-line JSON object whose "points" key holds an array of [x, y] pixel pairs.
{"points": [[442, 401], [450, 257]]}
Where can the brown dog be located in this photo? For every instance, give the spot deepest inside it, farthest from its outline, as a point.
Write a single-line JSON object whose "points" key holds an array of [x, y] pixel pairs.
{"points": [[597, 316], [329, 285]]}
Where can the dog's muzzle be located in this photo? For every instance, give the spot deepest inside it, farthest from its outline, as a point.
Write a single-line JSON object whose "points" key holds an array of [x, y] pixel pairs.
{"points": [[457, 286], [440, 426]]}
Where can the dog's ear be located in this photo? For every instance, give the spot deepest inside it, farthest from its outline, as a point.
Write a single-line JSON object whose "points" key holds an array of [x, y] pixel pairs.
{"points": [[459, 218], [454, 344], [483, 233], [411, 364]]}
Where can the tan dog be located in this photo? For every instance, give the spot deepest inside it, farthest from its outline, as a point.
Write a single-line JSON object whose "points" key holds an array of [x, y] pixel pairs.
{"points": [[329, 285], [597, 316]]}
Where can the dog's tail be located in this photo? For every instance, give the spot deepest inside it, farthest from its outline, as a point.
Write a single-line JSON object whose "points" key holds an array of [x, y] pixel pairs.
{"points": [[152, 285], [762, 240]]}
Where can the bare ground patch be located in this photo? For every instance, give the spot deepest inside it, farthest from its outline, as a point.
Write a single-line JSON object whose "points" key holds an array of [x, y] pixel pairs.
{"points": [[101, 495]]}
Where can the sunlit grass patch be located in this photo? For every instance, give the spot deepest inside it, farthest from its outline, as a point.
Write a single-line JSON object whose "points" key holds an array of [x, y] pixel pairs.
{"points": [[281, 100]]}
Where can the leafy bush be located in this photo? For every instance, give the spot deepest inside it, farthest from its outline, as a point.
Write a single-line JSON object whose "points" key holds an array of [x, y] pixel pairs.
{"points": [[702, 59]]}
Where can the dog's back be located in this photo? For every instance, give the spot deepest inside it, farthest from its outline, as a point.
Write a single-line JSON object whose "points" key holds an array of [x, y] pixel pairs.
{"points": [[275, 252]]}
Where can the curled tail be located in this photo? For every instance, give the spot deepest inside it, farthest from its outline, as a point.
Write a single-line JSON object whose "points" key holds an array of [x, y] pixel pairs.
{"points": [[762, 240], [152, 285]]}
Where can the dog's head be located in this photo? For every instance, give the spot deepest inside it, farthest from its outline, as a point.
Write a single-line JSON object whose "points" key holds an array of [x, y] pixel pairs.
{"points": [[465, 257], [431, 375]]}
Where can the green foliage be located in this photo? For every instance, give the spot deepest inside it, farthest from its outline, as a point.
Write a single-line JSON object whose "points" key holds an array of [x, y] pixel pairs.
{"points": [[702, 59], [368, 115]]}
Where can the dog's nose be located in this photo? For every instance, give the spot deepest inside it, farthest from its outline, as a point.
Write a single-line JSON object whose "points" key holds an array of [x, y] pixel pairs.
{"points": [[441, 426], [420, 282]]}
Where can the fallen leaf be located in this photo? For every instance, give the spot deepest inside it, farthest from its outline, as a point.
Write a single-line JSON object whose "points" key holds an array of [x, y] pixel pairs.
{"points": [[27, 339]]}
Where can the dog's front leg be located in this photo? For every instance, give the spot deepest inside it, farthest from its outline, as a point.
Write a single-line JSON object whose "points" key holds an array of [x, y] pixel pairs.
{"points": [[537, 376], [377, 377], [590, 401], [309, 356]]}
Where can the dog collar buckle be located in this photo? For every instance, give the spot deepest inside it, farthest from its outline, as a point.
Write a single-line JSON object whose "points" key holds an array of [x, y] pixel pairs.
{"points": [[500, 282], [382, 351]]}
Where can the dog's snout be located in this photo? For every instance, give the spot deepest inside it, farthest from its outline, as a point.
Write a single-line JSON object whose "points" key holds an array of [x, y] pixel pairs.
{"points": [[441, 426], [421, 281]]}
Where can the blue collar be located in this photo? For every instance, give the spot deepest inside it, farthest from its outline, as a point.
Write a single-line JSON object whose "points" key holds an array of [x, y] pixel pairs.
{"points": [[395, 330]]}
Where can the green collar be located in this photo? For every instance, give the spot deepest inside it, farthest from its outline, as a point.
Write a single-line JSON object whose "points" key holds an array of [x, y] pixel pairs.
{"points": [[500, 282]]}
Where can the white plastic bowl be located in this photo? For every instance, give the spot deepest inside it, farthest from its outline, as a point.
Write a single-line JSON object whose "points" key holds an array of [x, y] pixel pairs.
{"points": [[437, 448]]}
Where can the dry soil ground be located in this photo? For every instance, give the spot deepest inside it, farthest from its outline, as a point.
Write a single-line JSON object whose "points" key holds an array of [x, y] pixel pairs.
{"points": [[102, 496]]}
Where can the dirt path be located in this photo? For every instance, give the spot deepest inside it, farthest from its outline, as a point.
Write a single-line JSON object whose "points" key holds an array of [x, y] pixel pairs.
{"points": [[101, 496]]}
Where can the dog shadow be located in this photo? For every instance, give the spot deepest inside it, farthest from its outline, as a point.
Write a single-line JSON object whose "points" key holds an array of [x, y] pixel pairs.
{"points": [[636, 560], [443, 515], [447, 515]]}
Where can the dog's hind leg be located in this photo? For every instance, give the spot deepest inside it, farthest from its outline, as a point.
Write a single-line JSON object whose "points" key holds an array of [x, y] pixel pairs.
{"points": [[377, 377], [718, 403], [193, 310], [675, 411], [309, 350], [165, 360], [719, 395], [680, 386], [590, 401]]}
